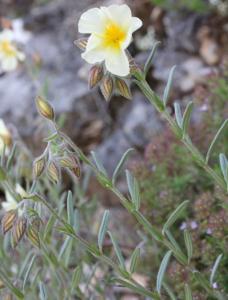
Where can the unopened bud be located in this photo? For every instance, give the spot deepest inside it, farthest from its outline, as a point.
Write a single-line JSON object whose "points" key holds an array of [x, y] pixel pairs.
{"points": [[96, 74], [33, 235], [19, 229], [123, 88], [71, 163], [8, 220], [39, 166], [45, 109], [53, 172], [107, 87], [81, 43]]}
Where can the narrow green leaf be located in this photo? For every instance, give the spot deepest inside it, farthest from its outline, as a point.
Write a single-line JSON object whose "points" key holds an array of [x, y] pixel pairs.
{"points": [[224, 166], [25, 263], [103, 229], [174, 216], [28, 272], [10, 286], [168, 86], [162, 270], [169, 291], [133, 187], [175, 248], [117, 251], [150, 58], [11, 157], [186, 117], [178, 115], [200, 279], [42, 291], [188, 244], [70, 208], [215, 268], [99, 164], [215, 139], [120, 164], [187, 292], [134, 259], [64, 247], [76, 278]]}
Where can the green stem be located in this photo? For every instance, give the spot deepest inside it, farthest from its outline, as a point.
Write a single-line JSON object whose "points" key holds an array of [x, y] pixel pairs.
{"points": [[158, 104]]}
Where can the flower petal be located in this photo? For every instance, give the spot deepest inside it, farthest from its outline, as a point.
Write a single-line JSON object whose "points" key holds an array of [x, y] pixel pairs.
{"points": [[92, 21], [94, 51], [117, 63], [119, 14], [9, 64], [136, 24]]}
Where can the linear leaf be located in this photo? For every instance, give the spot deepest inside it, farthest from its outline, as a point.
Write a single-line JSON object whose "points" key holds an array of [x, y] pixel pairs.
{"points": [[134, 259], [186, 117], [103, 229], [202, 281], [169, 291], [42, 291], [133, 187], [188, 244], [98, 163], [28, 272], [76, 278], [215, 268], [10, 286], [70, 208], [175, 248], [168, 86], [162, 270], [64, 247], [178, 114], [150, 58], [188, 292], [215, 139], [120, 164], [117, 251], [224, 166], [175, 215]]}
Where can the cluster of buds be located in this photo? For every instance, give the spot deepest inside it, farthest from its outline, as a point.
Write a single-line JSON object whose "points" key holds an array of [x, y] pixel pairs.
{"points": [[20, 225], [56, 156], [109, 83]]}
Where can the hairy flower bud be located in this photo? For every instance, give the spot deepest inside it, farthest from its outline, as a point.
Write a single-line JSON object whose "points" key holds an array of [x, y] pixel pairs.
{"points": [[8, 220], [19, 229], [39, 166], [123, 88], [107, 87], [81, 43], [96, 74], [71, 163], [53, 172], [45, 109]]}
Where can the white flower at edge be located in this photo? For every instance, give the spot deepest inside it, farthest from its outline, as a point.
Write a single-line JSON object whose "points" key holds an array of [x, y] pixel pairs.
{"points": [[111, 30], [10, 202], [5, 137], [9, 54]]}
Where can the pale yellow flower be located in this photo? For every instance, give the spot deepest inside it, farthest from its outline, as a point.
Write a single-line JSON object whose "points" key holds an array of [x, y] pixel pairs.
{"points": [[9, 54], [110, 30], [11, 203], [5, 137]]}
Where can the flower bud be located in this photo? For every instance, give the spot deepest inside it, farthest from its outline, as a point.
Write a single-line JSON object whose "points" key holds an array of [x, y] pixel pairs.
{"points": [[71, 163], [96, 74], [53, 172], [107, 87], [45, 109], [19, 229], [33, 235], [81, 43], [8, 220], [38, 166], [123, 88]]}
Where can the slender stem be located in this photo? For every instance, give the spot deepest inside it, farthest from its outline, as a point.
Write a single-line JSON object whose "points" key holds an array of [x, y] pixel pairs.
{"points": [[158, 104]]}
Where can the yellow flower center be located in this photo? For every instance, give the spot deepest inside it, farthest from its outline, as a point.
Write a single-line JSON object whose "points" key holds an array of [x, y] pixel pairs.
{"points": [[7, 48], [113, 36]]}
